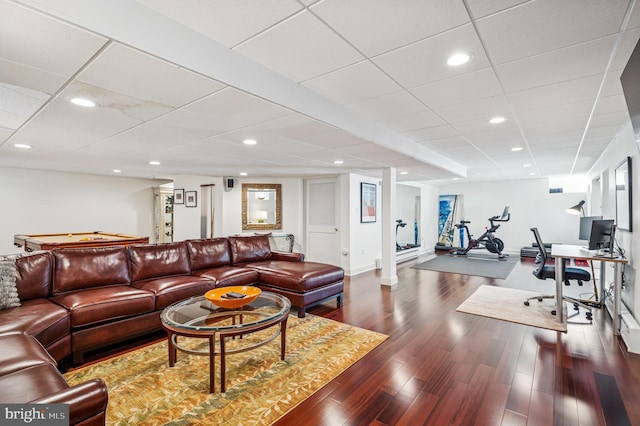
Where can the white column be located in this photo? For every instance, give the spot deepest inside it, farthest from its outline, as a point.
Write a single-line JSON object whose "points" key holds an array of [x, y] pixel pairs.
{"points": [[389, 275]]}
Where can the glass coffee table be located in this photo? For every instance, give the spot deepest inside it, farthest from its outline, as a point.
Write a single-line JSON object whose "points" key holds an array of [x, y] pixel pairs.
{"points": [[197, 317]]}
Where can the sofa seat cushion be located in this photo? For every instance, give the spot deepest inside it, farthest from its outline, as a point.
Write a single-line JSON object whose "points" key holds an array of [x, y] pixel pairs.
{"points": [[225, 276], [31, 383], [94, 306], [21, 351], [169, 290], [297, 276], [40, 318]]}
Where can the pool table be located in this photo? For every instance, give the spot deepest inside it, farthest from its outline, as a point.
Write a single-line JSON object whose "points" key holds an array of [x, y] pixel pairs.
{"points": [[80, 239]]}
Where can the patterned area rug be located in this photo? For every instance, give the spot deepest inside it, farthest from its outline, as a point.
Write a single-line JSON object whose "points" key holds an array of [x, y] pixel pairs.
{"points": [[260, 387]]}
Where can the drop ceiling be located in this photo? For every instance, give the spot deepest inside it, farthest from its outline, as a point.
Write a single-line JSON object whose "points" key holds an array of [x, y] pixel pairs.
{"points": [[361, 81]]}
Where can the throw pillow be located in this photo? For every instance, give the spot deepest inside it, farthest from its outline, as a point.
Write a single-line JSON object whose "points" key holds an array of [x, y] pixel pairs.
{"points": [[8, 291]]}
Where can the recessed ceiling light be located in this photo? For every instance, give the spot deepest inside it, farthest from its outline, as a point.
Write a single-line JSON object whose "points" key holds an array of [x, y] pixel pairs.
{"points": [[249, 142], [458, 59], [532, 173], [117, 171], [404, 173], [22, 145], [517, 148], [83, 102], [243, 173], [526, 165], [497, 120], [154, 163], [338, 162], [455, 178]]}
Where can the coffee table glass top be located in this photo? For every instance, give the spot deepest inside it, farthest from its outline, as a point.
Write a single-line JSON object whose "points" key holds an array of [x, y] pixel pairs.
{"points": [[199, 314]]}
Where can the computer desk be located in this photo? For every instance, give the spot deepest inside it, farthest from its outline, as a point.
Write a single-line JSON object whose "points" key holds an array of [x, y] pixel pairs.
{"points": [[565, 251]]}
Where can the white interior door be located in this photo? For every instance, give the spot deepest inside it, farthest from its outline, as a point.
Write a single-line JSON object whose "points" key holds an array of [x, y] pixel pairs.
{"points": [[322, 211]]}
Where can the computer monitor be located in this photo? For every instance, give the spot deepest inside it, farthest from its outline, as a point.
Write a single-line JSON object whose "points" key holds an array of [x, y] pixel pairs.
{"points": [[602, 235], [585, 226]]}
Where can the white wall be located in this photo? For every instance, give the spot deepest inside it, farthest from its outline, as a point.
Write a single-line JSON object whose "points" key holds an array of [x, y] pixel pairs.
{"points": [[38, 202], [228, 208], [622, 146], [530, 205], [364, 242]]}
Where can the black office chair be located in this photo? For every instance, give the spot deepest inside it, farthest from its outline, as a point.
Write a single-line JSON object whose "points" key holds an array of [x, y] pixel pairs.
{"points": [[544, 271]]}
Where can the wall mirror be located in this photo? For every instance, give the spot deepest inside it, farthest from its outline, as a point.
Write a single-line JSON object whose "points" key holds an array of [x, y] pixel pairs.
{"points": [[261, 206], [623, 195]]}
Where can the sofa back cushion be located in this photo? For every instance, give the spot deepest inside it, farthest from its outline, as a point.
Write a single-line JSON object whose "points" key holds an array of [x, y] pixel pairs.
{"points": [[208, 253], [249, 249], [158, 260], [83, 268], [34, 275]]}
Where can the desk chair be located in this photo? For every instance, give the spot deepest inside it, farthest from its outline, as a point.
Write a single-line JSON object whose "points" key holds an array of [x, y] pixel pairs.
{"points": [[544, 271]]}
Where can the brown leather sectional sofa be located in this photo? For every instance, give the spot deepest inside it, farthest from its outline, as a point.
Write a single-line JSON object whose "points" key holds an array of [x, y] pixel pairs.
{"points": [[73, 301]]}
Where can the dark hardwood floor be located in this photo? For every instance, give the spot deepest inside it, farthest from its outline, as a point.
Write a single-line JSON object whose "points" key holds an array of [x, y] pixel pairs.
{"points": [[441, 367]]}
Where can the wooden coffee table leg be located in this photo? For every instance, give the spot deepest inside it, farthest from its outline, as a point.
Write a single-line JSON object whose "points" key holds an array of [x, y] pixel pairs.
{"points": [[223, 364], [212, 363], [173, 352]]}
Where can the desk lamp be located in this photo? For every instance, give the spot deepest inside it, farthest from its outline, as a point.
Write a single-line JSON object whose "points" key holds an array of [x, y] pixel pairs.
{"points": [[577, 209]]}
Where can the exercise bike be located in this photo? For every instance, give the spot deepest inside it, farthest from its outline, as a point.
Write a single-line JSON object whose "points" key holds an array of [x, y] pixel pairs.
{"points": [[487, 240]]}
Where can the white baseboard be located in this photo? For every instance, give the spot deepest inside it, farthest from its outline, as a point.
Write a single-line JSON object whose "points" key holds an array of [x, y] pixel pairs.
{"points": [[629, 327]]}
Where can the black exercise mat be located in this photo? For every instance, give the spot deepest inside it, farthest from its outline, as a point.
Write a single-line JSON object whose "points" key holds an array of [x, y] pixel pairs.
{"points": [[490, 268]]}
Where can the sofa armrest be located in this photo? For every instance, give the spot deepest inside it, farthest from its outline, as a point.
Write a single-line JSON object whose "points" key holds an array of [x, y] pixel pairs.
{"points": [[85, 400], [284, 255]]}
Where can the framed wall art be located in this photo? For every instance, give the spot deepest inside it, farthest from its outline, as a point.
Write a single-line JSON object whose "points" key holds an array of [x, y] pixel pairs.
{"points": [[178, 196], [191, 199], [368, 202]]}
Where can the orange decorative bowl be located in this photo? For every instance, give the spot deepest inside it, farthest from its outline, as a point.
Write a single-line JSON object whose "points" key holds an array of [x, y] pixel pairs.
{"points": [[218, 296]]}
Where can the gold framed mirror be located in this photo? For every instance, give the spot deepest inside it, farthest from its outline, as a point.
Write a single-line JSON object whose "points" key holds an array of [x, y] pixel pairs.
{"points": [[261, 206]]}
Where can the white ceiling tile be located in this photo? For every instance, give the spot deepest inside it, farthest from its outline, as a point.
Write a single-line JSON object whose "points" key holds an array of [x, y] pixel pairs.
{"points": [[546, 25], [300, 48], [429, 133], [612, 85], [569, 91], [73, 126], [482, 8], [233, 109], [426, 61], [334, 139], [124, 70], [412, 121], [615, 119], [394, 104], [626, 46], [611, 104], [377, 26], [567, 113], [476, 110], [483, 125], [295, 126], [560, 65], [17, 104], [43, 47], [461, 89], [354, 83], [228, 22]]}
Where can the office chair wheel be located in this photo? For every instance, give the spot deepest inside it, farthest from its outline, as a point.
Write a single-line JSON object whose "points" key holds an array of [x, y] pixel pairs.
{"points": [[576, 307], [580, 283], [589, 316], [566, 282], [553, 312]]}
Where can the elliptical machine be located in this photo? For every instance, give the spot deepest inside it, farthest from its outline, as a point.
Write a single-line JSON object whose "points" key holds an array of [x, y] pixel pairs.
{"points": [[487, 240]]}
